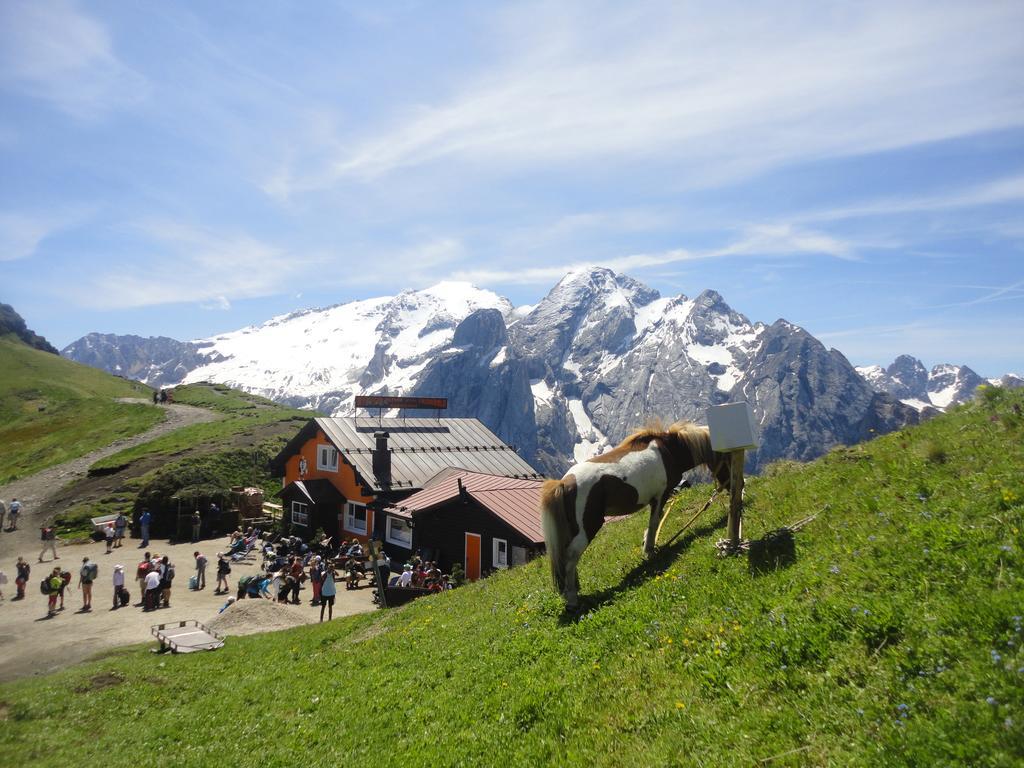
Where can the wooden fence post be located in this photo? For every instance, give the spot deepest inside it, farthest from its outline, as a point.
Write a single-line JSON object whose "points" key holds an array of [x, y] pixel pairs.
{"points": [[736, 498]]}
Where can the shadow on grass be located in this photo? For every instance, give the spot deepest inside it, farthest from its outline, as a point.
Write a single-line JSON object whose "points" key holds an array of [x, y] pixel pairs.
{"points": [[772, 552], [645, 570]]}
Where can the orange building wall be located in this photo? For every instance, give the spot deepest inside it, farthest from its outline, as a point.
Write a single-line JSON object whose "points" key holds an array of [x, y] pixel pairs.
{"points": [[344, 479]]}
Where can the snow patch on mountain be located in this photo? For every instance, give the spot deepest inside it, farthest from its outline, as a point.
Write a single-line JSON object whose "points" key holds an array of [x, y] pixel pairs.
{"points": [[322, 358], [591, 440]]}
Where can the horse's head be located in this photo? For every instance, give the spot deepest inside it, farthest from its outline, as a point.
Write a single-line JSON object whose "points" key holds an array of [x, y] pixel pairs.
{"points": [[695, 441], [721, 468]]}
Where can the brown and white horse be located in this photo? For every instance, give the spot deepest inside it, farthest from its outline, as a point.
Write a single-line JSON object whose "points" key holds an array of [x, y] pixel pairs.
{"points": [[643, 470]]}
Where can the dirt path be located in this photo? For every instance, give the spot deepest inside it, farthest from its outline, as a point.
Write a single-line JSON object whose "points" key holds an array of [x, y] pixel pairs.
{"points": [[31, 644], [33, 491]]}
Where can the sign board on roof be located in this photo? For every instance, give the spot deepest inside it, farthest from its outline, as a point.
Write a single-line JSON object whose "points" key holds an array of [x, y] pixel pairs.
{"points": [[732, 427], [381, 401]]}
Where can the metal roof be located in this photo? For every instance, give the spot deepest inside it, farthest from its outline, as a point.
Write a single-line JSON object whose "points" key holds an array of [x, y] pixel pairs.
{"points": [[514, 500], [421, 448]]}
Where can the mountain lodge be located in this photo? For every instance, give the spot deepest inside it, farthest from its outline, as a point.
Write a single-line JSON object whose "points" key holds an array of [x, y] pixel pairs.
{"points": [[345, 475]]}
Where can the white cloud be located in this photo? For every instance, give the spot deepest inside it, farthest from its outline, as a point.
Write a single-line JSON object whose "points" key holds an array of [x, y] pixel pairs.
{"points": [[185, 264], [783, 240], [21, 233], [718, 91], [53, 51], [1009, 189]]}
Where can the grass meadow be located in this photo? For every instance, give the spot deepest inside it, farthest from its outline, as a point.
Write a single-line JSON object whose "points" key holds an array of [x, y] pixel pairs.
{"points": [[888, 631]]}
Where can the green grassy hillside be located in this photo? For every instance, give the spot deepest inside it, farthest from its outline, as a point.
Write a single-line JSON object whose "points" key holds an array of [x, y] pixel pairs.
{"points": [[890, 635], [198, 462], [53, 410]]}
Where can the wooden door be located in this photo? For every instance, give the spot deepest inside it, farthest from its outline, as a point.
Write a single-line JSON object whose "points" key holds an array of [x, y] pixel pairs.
{"points": [[472, 556]]}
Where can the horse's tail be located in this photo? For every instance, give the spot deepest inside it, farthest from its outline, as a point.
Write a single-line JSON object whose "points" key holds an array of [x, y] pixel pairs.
{"points": [[556, 528]]}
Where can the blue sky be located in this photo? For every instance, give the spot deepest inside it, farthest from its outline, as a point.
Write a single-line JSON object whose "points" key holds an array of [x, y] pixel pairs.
{"points": [[189, 168]]}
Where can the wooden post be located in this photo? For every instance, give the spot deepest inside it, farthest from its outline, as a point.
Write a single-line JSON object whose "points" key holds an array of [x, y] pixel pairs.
{"points": [[736, 498]]}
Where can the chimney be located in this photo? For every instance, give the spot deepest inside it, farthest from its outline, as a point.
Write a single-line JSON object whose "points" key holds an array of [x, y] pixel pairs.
{"points": [[382, 459]]}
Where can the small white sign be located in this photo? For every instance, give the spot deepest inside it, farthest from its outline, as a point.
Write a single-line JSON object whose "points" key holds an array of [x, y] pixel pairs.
{"points": [[732, 427]]}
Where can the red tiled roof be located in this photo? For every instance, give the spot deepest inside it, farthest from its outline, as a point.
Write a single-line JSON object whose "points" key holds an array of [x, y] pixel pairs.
{"points": [[514, 500]]}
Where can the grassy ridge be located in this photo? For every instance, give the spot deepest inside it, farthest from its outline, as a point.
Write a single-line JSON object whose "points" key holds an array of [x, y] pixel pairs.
{"points": [[53, 410], [891, 636], [211, 455]]}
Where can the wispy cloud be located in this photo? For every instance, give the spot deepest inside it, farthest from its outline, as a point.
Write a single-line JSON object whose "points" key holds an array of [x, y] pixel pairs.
{"points": [[22, 233], [775, 240], [55, 52], [187, 264], [717, 91], [1009, 189]]}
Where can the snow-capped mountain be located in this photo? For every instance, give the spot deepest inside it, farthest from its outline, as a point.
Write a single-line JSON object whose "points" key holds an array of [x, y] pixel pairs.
{"points": [[944, 385], [596, 357], [323, 358]]}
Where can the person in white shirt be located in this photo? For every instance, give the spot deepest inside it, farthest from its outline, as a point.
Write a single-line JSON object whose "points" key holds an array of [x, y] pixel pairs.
{"points": [[152, 590], [118, 584], [405, 580]]}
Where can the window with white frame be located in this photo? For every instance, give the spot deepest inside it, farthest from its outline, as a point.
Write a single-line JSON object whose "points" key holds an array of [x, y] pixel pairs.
{"points": [[327, 458], [355, 518], [500, 554], [300, 513], [399, 532]]}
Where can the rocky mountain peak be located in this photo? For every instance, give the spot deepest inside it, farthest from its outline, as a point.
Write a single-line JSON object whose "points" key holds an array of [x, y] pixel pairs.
{"points": [[908, 378]]}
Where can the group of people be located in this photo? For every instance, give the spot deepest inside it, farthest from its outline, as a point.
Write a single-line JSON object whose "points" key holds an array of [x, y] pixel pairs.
{"points": [[56, 583], [423, 574]]}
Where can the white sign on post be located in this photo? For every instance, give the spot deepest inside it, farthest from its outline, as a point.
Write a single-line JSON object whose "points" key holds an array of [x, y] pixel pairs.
{"points": [[732, 427]]}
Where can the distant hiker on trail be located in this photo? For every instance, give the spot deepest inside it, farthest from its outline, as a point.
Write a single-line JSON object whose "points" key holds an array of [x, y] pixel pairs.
{"points": [[22, 571], [118, 581], [15, 510], [144, 520], [119, 525], [48, 534], [197, 523], [152, 593], [223, 570], [163, 396], [108, 534], [200, 570], [3, 513], [140, 574], [65, 582], [156, 397], [86, 576], [52, 585], [327, 593], [166, 577]]}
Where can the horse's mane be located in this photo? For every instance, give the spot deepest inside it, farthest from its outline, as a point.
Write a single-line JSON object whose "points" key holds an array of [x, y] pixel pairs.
{"points": [[696, 438]]}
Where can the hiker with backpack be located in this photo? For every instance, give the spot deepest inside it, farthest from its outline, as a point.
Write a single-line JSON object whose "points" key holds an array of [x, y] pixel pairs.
{"points": [[14, 512], [22, 571], [141, 572], [223, 571], [51, 587], [166, 577], [86, 576]]}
